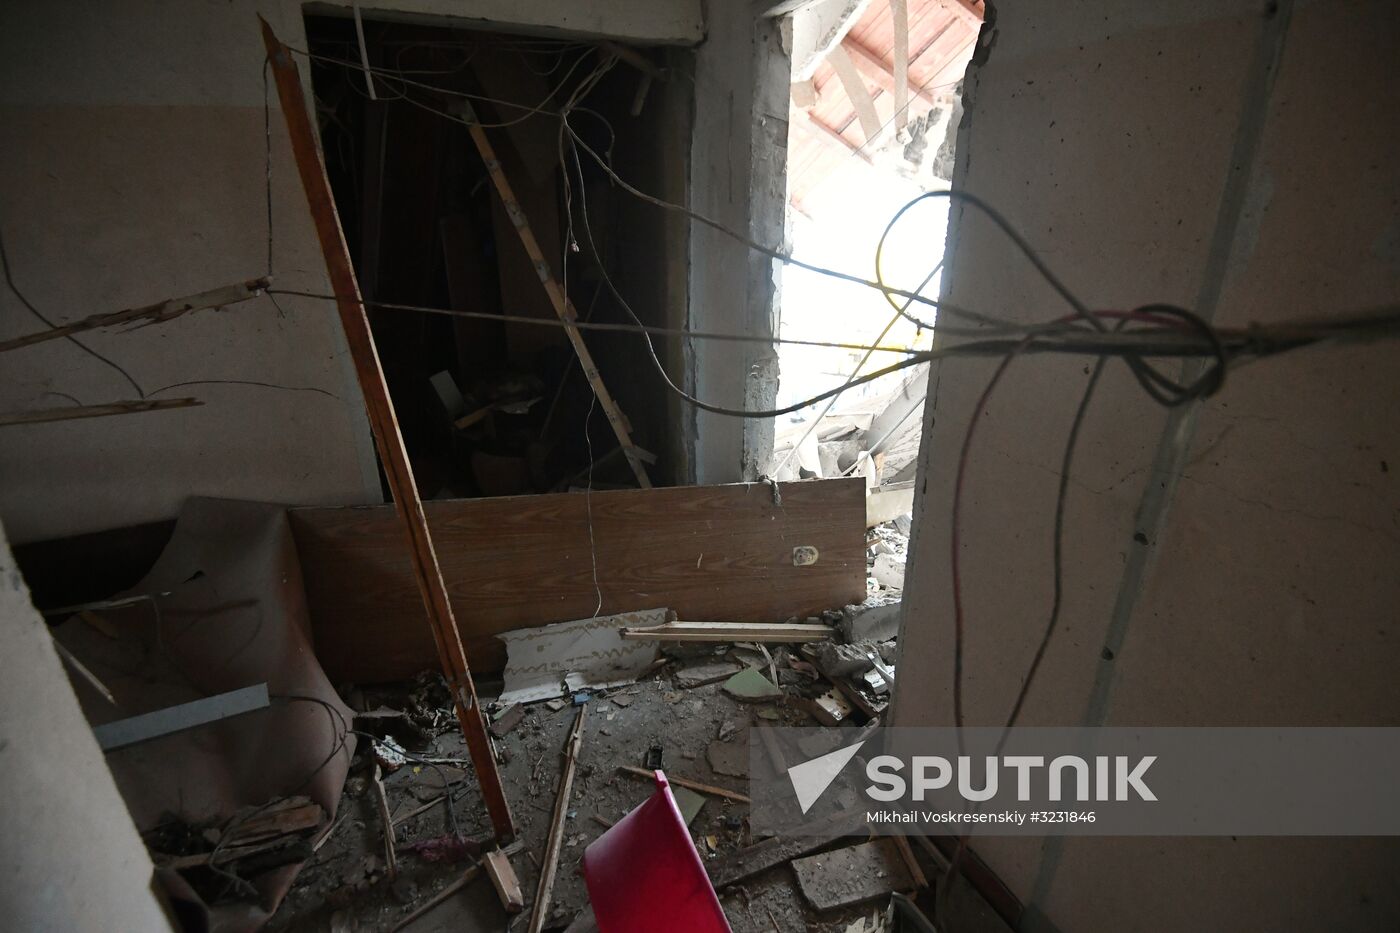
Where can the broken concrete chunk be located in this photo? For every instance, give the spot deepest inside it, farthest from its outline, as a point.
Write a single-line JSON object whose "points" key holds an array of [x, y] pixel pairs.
{"points": [[889, 571], [852, 875], [507, 719], [750, 686], [840, 661], [870, 623]]}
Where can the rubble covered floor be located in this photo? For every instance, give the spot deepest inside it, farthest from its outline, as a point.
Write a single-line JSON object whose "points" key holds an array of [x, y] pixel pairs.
{"points": [[344, 886]]}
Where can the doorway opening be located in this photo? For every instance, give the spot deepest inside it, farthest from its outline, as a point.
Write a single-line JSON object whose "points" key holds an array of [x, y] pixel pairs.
{"points": [[875, 107], [493, 401]]}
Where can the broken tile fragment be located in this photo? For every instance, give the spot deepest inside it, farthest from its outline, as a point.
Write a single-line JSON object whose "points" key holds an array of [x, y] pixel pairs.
{"points": [[688, 802], [751, 687]]}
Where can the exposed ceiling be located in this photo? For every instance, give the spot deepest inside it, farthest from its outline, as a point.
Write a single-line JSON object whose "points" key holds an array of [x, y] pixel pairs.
{"points": [[848, 108]]}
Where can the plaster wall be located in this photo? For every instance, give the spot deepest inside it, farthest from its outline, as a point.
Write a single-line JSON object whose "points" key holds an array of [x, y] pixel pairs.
{"points": [[70, 857], [1228, 564], [738, 176]]}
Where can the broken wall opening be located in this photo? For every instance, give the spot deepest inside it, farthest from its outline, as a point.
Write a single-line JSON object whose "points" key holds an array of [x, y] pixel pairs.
{"points": [[492, 407], [874, 107]]}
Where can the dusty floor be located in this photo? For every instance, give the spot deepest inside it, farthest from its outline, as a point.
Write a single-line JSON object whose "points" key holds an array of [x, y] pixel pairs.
{"points": [[345, 881], [344, 886]]}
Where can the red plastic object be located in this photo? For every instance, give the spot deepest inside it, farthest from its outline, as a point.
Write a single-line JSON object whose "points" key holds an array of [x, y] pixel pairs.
{"points": [[645, 876]]}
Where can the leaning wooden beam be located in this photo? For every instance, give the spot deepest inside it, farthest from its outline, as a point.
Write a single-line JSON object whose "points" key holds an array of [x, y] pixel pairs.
{"points": [[899, 13], [557, 296], [385, 425], [776, 632], [856, 90], [95, 411], [158, 313], [539, 912]]}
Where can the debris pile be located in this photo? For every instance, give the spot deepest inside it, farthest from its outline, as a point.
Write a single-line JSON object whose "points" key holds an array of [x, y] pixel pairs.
{"points": [[579, 748]]}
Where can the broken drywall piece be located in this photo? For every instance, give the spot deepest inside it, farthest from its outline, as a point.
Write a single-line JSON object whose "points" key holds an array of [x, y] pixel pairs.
{"points": [[544, 663], [751, 686], [698, 675]]}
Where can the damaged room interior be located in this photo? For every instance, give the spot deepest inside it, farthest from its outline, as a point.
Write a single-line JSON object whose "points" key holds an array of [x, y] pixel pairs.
{"points": [[694, 466]]}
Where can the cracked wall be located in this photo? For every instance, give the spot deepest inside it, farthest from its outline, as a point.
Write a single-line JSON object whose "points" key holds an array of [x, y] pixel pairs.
{"points": [[1226, 566]]}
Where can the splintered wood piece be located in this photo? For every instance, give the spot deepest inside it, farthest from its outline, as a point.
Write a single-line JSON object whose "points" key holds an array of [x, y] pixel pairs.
{"points": [[539, 913], [853, 875], [134, 407], [157, 313], [686, 782], [391, 858], [385, 426], [503, 879], [557, 296]]}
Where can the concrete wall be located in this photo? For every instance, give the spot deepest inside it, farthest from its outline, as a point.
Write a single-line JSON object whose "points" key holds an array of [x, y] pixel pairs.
{"points": [[132, 170], [738, 176], [70, 857], [1233, 563]]}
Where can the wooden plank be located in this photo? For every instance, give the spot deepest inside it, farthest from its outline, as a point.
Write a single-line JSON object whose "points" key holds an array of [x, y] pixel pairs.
{"points": [[852, 875], [539, 911], [810, 122], [413, 526], [856, 90], [157, 313], [563, 307], [899, 10], [134, 407], [502, 875], [712, 553], [764, 632], [875, 68]]}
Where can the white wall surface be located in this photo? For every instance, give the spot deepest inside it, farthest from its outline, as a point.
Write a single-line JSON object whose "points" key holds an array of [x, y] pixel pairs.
{"points": [[1235, 566], [70, 857]]}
